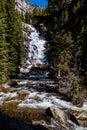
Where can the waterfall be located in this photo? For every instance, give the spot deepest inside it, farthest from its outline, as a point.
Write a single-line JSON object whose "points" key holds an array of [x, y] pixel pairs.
{"points": [[39, 97], [35, 50]]}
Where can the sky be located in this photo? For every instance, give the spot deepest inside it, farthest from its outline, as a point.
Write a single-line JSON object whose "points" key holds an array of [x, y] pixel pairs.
{"points": [[42, 3]]}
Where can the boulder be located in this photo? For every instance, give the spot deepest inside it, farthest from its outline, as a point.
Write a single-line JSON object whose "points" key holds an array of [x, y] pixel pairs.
{"points": [[13, 84], [23, 92], [5, 86], [80, 117], [58, 115], [30, 82]]}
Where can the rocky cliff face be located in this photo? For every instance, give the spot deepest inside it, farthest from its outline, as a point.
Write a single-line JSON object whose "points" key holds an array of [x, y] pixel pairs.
{"points": [[23, 6]]}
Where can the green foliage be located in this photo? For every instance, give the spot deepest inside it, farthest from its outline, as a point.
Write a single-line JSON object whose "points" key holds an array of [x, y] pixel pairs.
{"points": [[31, 17], [3, 43], [11, 40], [14, 38], [59, 38], [67, 36], [75, 84]]}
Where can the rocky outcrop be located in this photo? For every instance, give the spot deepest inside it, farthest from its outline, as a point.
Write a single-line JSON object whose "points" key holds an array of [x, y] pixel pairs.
{"points": [[23, 6], [26, 32]]}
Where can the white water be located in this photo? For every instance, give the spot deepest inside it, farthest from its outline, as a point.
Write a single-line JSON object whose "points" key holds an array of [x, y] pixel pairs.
{"points": [[37, 99], [42, 99], [35, 50], [45, 100]]}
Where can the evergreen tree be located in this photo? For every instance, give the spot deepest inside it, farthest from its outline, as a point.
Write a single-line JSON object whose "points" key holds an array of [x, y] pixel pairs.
{"points": [[11, 40], [78, 24], [3, 42], [66, 37], [58, 37], [14, 38]]}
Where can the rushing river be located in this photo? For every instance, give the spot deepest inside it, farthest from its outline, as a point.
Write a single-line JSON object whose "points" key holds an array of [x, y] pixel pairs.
{"points": [[42, 99], [38, 96]]}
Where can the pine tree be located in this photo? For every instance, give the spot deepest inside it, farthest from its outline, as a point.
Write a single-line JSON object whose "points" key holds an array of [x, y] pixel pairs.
{"points": [[78, 24], [14, 38], [58, 37], [67, 37], [3, 43]]}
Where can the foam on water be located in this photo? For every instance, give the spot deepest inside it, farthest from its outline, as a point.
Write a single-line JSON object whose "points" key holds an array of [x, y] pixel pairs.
{"points": [[35, 49], [5, 96], [45, 100]]}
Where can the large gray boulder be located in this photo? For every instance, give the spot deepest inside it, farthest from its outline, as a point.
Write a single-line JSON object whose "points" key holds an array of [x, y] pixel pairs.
{"points": [[59, 115]]}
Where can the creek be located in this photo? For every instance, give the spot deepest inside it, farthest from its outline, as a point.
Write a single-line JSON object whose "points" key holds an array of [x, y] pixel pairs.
{"points": [[40, 96], [41, 88]]}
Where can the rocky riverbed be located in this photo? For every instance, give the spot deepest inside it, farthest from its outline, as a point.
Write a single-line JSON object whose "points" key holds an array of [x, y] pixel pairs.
{"points": [[36, 101]]}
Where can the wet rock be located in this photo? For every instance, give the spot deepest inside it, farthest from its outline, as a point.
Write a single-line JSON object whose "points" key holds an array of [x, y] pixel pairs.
{"points": [[5, 86], [69, 96], [12, 89], [73, 119], [58, 115], [23, 92], [77, 101], [30, 82], [13, 83], [55, 125], [79, 117]]}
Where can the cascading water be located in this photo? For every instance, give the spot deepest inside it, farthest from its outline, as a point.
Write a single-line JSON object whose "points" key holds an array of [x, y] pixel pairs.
{"points": [[35, 50], [37, 96]]}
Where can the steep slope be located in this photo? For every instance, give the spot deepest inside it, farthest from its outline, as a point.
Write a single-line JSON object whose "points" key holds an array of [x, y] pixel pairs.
{"points": [[23, 6]]}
